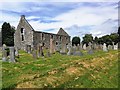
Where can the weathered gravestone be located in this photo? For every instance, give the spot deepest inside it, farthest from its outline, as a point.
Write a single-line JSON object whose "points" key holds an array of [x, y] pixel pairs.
{"points": [[110, 47], [78, 53], [95, 46], [16, 52], [4, 53], [104, 47], [78, 47], [28, 48], [34, 52], [84, 47], [116, 47], [52, 46], [74, 49], [90, 51], [69, 49], [12, 54], [63, 49], [40, 50]]}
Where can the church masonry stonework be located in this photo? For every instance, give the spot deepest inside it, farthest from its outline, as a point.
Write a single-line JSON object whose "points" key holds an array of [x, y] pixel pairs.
{"points": [[26, 37]]}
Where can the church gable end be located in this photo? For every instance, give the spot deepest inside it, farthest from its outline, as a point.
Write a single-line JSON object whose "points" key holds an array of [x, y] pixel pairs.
{"points": [[62, 32]]}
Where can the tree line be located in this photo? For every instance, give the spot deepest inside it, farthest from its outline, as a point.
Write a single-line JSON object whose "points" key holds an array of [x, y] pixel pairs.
{"points": [[108, 39]]}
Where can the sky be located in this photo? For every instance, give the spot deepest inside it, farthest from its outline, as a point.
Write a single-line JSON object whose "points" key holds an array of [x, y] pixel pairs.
{"points": [[76, 17]]}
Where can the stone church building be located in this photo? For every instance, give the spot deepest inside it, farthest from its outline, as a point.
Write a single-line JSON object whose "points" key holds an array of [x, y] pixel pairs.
{"points": [[26, 37]]}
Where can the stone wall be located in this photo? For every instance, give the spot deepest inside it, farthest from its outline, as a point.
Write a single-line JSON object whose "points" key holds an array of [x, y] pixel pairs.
{"points": [[23, 35], [44, 38]]}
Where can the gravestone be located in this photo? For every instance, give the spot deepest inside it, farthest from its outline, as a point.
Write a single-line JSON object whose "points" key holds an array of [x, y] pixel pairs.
{"points": [[95, 46], [69, 49], [84, 47], [90, 51], [40, 50], [78, 53], [63, 50], [116, 47], [74, 49], [81, 46], [34, 53], [16, 52], [104, 47], [52, 46], [12, 54], [110, 47], [78, 47], [28, 48], [100, 46], [4, 53]]}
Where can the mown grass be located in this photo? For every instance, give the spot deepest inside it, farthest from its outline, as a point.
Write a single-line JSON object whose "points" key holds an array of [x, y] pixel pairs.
{"points": [[98, 70]]}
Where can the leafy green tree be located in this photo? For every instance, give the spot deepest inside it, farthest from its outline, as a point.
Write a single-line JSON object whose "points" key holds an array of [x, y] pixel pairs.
{"points": [[87, 38], [7, 34], [96, 39], [114, 37], [100, 40], [75, 40], [107, 39]]}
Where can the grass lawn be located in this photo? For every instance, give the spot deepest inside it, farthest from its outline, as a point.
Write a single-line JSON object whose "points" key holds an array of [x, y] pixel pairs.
{"points": [[98, 70]]}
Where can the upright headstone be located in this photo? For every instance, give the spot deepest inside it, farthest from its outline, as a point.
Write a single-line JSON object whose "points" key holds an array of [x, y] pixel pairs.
{"points": [[52, 46], [12, 54], [90, 51], [34, 52], [84, 46], [63, 50], [104, 47], [16, 52], [40, 50], [4, 53], [81, 46], [78, 47], [109, 47], [116, 47], [29, 49], [69, 49], [74, 48]]}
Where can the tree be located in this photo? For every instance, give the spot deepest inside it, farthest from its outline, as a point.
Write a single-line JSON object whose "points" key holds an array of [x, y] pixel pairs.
{"points": [[87, 38], [107, 40], [75, 40], [119, 30], [96, 39], [114, 37], [7, 34]]}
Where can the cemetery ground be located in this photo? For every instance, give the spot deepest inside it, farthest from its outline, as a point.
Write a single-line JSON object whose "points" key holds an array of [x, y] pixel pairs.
{"points": [[98, 70]]}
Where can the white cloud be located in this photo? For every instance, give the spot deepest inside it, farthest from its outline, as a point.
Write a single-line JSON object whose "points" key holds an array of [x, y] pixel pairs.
{"points": [[70, 21], [83, 16]]}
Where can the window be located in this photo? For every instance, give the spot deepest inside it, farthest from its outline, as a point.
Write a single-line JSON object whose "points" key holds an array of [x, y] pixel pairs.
{"points": [[56, 43], [43, 36], [22, 38], [21, 30], [60, 38]]}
